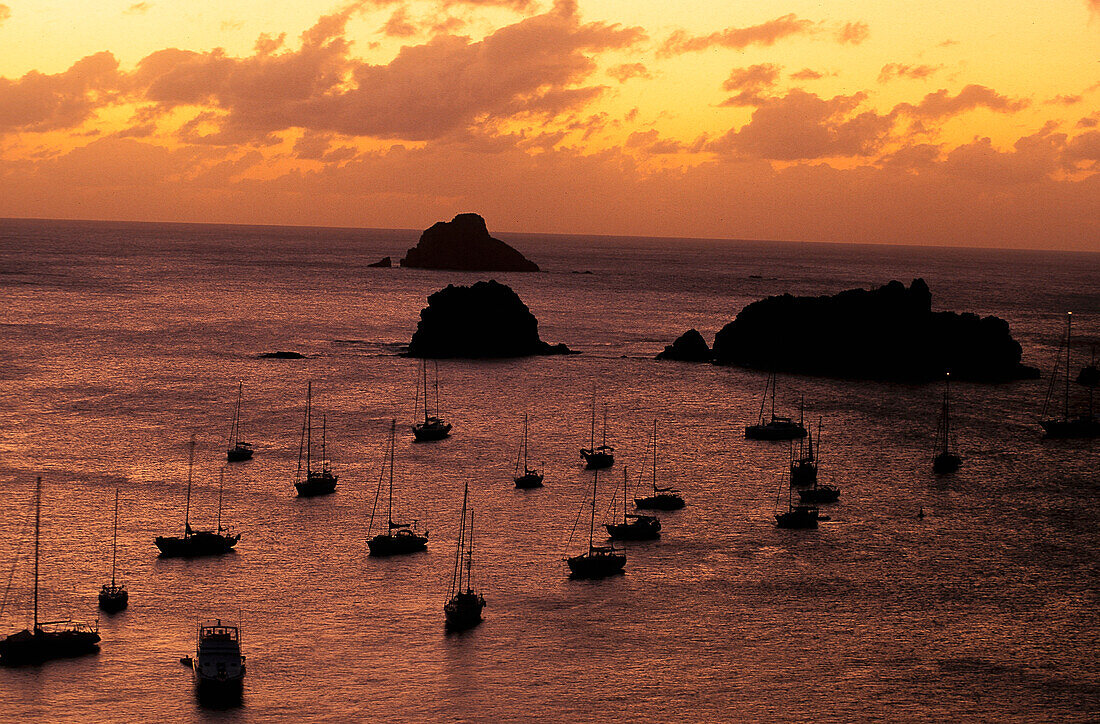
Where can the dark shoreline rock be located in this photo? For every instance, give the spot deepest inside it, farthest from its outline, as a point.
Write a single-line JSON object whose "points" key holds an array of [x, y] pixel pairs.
{"points": [[383, 263], [688, 347], [485, 320], [889, 333], [464, 244]]}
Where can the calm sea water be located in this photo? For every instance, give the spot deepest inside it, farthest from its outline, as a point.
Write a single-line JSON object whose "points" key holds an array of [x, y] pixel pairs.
{"points": [[118, 341]]}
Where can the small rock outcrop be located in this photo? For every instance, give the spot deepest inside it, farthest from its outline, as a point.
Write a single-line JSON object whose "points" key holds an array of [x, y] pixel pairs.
{"points": [[889, 333], [281, 355], [383, 263], [688, 347], [485, 320], [464, 244]]}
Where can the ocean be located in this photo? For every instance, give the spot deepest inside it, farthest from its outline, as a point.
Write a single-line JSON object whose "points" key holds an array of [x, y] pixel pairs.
{"points": [[121, 340]]}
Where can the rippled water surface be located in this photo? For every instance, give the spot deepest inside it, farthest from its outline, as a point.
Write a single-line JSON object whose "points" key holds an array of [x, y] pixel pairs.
{"points": [[121, 340]]}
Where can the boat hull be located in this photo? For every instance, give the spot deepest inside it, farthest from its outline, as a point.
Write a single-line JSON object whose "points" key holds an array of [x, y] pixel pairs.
{"points": [[602, 565], [238, 454], [395, 545], [641, 528], [463, 611], [799, 517], [27, 647], [197, 544], [820, 494], [1080, 428], [431, 433], [596, 460], [316, 485], [113, 599], [661, 501], [528, 481], [775, 431], [804, 472], [945, 463]]}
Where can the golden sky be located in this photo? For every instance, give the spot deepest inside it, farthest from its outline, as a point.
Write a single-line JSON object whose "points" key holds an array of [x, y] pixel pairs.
{"points": [[939, 122]]}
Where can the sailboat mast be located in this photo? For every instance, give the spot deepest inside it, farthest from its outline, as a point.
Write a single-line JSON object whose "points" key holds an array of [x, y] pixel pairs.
{"points": [[237, 415], [324, 436], [947, 413], [37, 527], [1069, 325], [773, 395], [525, 442], [437, 406], [425, 370], [592, 522], [604, 443], [187, 507], [624, 495], [309, 426], [114, 542], [655, 456], [456, 575], [592, 431], [470, 554], [389, 513]]}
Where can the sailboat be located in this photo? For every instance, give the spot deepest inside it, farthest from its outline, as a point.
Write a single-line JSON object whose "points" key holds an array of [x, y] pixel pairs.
{"points": [[796, 516], [804, 468], [662, 498], [113, 596], [598, 458], [46, 640], [320, 481], [530, 478], [463, 607], [434, 427], [634, 526], [946, 460], [198, 542], [398, 538], [777, 428], [599, 561], [238, 449], [1086, 425], [819, 493]]}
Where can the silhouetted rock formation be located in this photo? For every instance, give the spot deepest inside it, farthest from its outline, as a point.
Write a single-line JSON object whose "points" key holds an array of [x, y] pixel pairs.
{"points": [[464, 244], [886, 333], [487, 319], [383, 263], [281, 355], [688, 347]]}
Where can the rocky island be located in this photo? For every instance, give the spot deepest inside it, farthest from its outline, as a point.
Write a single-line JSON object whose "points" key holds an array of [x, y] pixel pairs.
{"points": [[688, 347], [464, 244], [889, 333], [485, 320]]}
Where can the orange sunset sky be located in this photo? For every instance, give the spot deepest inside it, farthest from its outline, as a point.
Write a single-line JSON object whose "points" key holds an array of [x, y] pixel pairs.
{"points": [[939, 122]]}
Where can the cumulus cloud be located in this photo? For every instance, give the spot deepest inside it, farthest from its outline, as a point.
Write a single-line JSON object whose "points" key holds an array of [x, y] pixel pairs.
{"points": [[39, 102], [426, 91], [626, 71], [853, 33], [766, 34], [399, 25], [890, 71], [801, 125], [941, 104], [750, 83]]}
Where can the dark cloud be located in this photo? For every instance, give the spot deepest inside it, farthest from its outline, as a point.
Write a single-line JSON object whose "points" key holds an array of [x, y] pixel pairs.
{"points": [[39, 102], [940, 104], [807, 74], [750, 83], [853, 33], [626, 71]]}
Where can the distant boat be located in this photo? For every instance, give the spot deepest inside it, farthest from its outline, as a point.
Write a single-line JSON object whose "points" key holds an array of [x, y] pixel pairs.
{"points": [[634, 526], [320, 481], [662, 498], [195, 543], [238, 449], [434, 427], [820, 492], [530, 478], [946, 459], [796, 516], [46, 640], [804, 468], [603, 456], [599, 561], [113, 596], [463, 607], [398, 537], [776, 428], [1085, 425], [218, 665]]}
